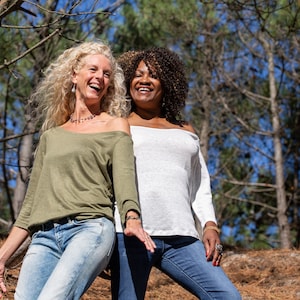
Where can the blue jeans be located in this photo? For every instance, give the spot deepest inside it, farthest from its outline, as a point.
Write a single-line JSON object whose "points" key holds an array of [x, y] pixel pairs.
{"points": [[61, 263], [182, 258]]}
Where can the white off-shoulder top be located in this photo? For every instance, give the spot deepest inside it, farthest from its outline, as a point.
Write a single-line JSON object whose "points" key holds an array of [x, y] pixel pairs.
{"points": [[173, 182]]}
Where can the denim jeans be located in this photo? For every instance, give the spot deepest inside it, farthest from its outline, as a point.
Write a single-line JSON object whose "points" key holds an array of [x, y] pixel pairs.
{"points": [[61, 263], [182, 258]]}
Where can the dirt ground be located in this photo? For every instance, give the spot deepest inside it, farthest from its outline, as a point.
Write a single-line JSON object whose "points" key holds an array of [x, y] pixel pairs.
{"points": [[258, 275]]}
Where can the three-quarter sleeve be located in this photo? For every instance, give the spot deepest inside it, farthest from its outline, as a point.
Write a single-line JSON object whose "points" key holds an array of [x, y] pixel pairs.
{"points": [[124, 177], [23, 218]]}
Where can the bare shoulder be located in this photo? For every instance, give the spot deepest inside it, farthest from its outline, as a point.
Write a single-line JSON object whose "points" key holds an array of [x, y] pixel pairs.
{"points": [[188, 127], [119, 124]]}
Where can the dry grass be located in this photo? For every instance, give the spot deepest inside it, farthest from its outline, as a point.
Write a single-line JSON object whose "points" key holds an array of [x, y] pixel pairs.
{"points": [[258, 275], [265, 275]]}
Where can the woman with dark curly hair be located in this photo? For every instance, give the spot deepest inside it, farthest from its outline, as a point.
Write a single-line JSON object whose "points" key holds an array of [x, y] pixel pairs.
{"points": [[173, 186]]}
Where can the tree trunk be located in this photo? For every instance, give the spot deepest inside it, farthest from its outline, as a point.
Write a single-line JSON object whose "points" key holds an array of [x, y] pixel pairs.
{"points": [[283, 224], [25, 164], [205, 123]]}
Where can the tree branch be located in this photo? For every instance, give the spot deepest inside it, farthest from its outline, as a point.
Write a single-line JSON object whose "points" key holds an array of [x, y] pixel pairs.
{"points": [[6, 64]]}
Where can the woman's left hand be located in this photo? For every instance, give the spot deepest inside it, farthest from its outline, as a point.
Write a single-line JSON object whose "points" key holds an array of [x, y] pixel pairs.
{"points": [[134, 228], [213, 246]]}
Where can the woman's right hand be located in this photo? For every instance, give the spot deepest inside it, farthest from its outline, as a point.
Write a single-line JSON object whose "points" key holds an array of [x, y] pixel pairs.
{"points": [[3, 288], [14, 240], [134, 228], [141, 234]]}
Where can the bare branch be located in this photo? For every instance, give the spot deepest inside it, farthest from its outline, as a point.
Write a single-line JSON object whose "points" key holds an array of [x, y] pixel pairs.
{"points": [[255, 184], [9, 6], [6, 64], [252, 146], [11, 137], [240, 120], [250, 201]]}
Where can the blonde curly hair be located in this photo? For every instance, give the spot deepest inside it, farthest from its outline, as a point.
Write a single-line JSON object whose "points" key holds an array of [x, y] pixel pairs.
{"points": [[53, 98]]}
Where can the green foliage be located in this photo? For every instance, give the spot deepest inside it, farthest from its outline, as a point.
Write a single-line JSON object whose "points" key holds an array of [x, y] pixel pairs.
{"points": [[229, 90], [282, 18], [155, 23]]}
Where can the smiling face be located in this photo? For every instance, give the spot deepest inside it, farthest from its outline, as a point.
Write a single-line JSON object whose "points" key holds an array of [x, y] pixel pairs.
{"points": [[145, 88], [93, 78]]}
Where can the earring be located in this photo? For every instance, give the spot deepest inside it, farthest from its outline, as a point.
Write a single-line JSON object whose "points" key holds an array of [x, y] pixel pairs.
{"points": [[73, 88]]}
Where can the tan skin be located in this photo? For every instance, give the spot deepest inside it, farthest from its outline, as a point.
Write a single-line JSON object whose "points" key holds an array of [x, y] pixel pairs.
{"points": [[146, 92], [92, 82]]}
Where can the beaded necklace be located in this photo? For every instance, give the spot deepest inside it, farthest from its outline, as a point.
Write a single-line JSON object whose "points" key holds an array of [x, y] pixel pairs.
{"points": [[81, 120]]}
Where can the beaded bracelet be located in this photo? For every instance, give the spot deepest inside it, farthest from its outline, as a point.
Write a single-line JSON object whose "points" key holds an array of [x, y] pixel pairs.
{"points": [[211, 228], [132, 218]]}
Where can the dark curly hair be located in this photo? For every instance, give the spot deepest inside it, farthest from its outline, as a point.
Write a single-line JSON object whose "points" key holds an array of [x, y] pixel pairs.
{"points": [[169, 69]]}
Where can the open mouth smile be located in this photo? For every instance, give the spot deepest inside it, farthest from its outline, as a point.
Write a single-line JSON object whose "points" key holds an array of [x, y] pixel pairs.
{"points": [[96, 87]]}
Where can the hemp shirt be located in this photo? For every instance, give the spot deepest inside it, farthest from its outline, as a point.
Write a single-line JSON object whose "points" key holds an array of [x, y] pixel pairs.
{"points": [[173, 182], [80, 175]]}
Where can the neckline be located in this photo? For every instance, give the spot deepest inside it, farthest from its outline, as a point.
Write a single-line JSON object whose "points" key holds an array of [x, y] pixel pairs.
{"points": [[89, 133], [165, 129]]}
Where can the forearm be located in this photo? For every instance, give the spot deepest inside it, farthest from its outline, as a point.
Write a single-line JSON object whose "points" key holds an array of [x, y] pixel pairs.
{"points": [[14, 240]]}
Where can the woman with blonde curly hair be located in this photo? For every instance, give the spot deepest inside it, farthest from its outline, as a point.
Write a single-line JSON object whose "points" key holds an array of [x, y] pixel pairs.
{"points": [[55, 95], [83, 164]]}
